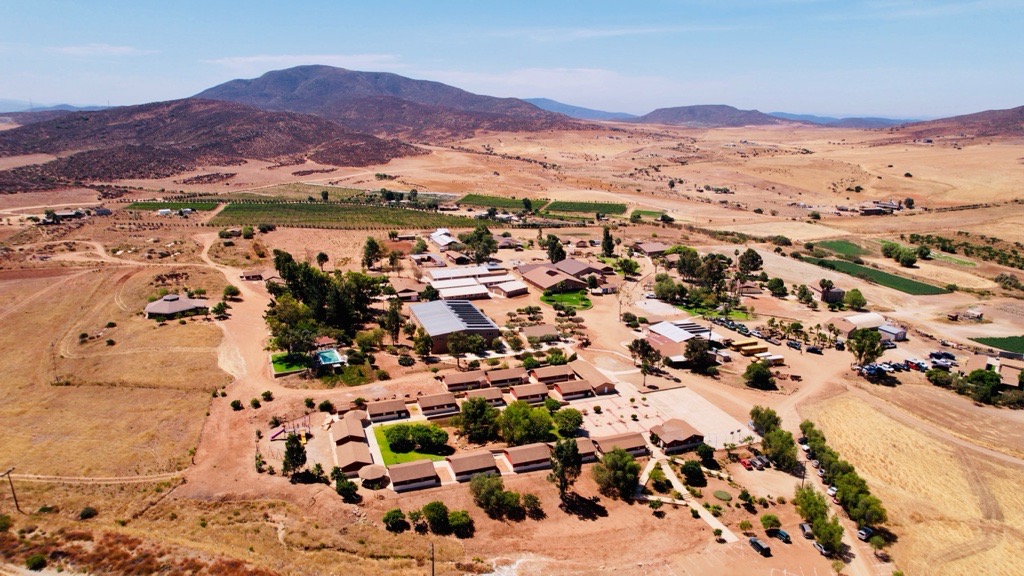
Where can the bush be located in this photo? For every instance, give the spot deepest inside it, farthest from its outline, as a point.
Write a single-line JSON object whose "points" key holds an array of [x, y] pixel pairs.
{"points": [[723, 495], [236, 405], [326, 406], [267, 396], [394, 520], [405, 360], [347, 489], [5, 522], [255, 403], [35, 562], [383, 375], [309, 403], [460, 524], [87, 513], [436, 515], [110, 342]]}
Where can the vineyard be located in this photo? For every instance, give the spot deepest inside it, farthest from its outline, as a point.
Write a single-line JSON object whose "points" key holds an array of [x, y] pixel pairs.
{"points": [[591, 207], [340, 216], [299, 191], [197, 206], [878, 277], [498, 201], [1010, 343]]}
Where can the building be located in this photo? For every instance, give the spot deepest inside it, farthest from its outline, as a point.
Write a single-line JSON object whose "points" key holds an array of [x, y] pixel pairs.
{"points": [[413, 475], [442, 404], [428, 260], [259, 274], [866, 321], [508, 243], [546, 279], [474, 292], [549, 375], [530, 393], [573, 390], [528, 457], [509, 289], [465, 466], [100, 211], [676, 435], [453, 283], [631, 442], [324, 343], [407, 289], [497, 279], [651, 249], [598, 381], [461, 381], [894, 333], [385, 410], [493, 396], [458, 258], [172, 304], [668, 339], [352, 456], [507, 377], [441, 318], [442, 238], [349, 428], [748, 288], [587, 449], [830, 296], [580, 269], [463, 272]]}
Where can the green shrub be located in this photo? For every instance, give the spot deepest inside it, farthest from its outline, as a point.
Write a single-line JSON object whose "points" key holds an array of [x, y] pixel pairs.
{"points": [[236, 405], [35, 562], [87, 513]]}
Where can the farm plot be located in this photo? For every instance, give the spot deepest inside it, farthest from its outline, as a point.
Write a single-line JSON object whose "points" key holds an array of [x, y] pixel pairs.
{"points": [[878, 277], [339, 216], [842, 247], [299, 191], [498, 201], [1009, 343], [197, 206], [591, 207]]}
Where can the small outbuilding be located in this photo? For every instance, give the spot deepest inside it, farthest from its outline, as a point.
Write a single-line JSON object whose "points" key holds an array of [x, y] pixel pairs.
{"points": [[528, 457], [631, 442], [413, 475], [442, 404], [465, 466], [894, 333], [385, 410]]}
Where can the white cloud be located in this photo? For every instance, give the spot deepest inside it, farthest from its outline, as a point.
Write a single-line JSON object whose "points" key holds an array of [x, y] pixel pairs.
{"points": [[86, 50], [259, 64]]}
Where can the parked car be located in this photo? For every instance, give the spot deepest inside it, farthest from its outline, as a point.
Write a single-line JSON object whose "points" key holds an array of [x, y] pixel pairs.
{"points": [[815, 463], [794, 344], [765, 461], [948, 355], [840, 346], [888, 344], [865, 533], [756, 463], [760, 547], [746, 464], [832, 490], [806, 530], [805, 447], [756, 334], [820, 549], [936, 355], [814, 350], [780, 534], [775, 341], [821, 472]]}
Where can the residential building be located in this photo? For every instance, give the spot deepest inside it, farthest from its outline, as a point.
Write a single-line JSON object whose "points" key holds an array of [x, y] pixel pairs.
{"points": [[465, 466], [651, 249], [549, 375], [413, 475], [441, 318], [493, 396], [173, 304], [352, 456], [349, 428], [460, 381], [528, 457], [830, 296], [551, 279], [676, 435], [385, 410], [507, 377], [631, 442], [530, 393], [573, 390], [442, 404]]}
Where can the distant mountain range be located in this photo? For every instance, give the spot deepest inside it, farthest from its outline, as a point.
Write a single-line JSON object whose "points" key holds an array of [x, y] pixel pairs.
{"points": [[710, 116], [167, 138], [577, 112], [387, 104], [23, 106], [1008, 122], [856, 122]]}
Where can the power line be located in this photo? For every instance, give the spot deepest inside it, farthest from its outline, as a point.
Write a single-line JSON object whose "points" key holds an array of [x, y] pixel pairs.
{"points": [[13, 493]]}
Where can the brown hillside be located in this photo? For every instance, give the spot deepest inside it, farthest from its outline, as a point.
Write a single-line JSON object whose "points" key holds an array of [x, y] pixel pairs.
{"points": [[990, 123], [710, 116]]}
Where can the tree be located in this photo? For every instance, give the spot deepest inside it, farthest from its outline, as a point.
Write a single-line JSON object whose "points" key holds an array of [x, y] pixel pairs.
{"points": [[219, 309], [393, 319], [765, 419], [828, 533], [436, 514], [347, 489], [868, 511], [770, 522], [480, 243], [985, 385], [294, 455], [865, 345], [777, 287], [627, 266], [689, 262], [458, 345], [825, 284], [923, 252], [617, 474], [750, 261], [522, 424], [394, 520], [568, 421], [693, 474], [488, 492], [779, 446], [478, 420], [706, 453], [635, 217], [854, 300], [373, 252], [648, 355], [420, 246], [429, 294], [460, 524], [556, 252], [231, 292], [759, 375], [566, 465], [422, 344], [697, 354], [321, 259], [527, 205], [607, 244]]}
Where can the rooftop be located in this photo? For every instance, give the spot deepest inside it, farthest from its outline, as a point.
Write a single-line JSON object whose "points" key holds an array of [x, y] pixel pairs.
{"points": [[472, 462], [447, 316], [384, 407], [436, 400], [627, 441], [175, 304], [412, 471], [528, 453], [675, 430]]}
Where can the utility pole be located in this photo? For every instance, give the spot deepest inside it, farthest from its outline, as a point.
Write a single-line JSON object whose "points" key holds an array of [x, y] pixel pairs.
{"points": [[431, 559], [13, 493]]}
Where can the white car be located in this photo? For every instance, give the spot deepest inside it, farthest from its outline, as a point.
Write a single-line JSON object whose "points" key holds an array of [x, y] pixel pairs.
{"points": [[832, 490]]}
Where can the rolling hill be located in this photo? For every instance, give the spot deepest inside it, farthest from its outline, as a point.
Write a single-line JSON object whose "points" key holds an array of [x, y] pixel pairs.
{"points": [[990, 123], [852, 122], [710, 116], [577, 112], [387, 104], [166, 138]]}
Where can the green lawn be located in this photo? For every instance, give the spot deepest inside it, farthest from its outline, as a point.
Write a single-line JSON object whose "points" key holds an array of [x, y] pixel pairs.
{"points": [[499, 201], [197, 206], [341, 216], [1009, 343], [591, 207], [282, 363], [712, 313], [391, 458], [575, 299], [649, 213], [844, 247], [882, 278]]}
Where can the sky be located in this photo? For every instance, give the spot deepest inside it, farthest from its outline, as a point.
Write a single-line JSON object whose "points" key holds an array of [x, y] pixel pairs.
{"points": [[892, 58]]}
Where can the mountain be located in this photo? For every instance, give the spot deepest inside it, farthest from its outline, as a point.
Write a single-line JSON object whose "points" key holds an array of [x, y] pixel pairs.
{"points": [[577, 112], [387, 104], [990, 123], [856, 122], [166, 138], [710, 116]]}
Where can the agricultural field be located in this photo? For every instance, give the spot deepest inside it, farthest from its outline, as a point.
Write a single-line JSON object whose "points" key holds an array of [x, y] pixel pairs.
{"points": [[1009, 343], [591, 207], [842, 247], [952, 259], [655, 214], [906, 285], [502, 202], [197, 206], [338, 216], [299, 191]]}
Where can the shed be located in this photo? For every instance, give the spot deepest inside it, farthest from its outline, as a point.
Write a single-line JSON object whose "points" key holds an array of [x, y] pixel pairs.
{"points": [[386, 410], [413, 475], [438, 404], [528, 457], [465, 466], [509, 289], [632, 442], [890, 332]]}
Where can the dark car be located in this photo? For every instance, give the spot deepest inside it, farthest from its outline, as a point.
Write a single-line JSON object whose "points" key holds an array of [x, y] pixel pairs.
{"points": [[936, 355], [760, 547], [947, 355], [780, 534], [794, 344], [840, 346], [814, 350]]}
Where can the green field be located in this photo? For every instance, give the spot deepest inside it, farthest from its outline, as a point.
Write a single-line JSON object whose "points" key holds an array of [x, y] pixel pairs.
{"points": [[1009, 343], [882, 278], [340, 216], [299, 191], [649, 213], [951, 259], [282, 363], [391, 458], [844, 247], [499, 201], [197, 206], [591, 207], [575, 299], [712, 313]]}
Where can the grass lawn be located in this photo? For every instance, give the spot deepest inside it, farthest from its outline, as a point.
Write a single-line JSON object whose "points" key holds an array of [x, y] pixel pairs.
{"points": [[391, 458], [844, 247], [883, 278], [712, 313], [649, 213], [1009, 343], [574, 299], [282, 363], [351, 376], [340, 216]]}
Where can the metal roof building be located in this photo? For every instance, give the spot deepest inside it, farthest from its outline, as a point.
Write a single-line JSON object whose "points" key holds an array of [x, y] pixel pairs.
{"points": [[441, 318]]}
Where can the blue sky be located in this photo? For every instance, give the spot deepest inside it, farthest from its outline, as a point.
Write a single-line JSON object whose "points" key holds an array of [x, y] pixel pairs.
{"points": [[895, 58]]}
